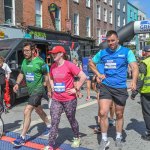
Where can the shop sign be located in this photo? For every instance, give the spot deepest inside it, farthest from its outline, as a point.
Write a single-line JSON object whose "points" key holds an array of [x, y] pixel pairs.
{"points": [[103, 38], [2, 34], [38, 35], [52, 7]]}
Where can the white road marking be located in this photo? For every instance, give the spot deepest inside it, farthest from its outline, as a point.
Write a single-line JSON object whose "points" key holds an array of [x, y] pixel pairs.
{"points": [[40, 121]]}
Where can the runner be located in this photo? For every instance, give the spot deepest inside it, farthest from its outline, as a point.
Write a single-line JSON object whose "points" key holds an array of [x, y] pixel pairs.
{"points": [[64, 95], [33, 69], [115, 59]]}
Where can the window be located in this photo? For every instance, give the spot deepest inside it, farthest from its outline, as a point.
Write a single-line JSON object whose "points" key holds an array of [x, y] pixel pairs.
{"points": [[88, 27], [9, 8], [118, 21], [124, 8], [88, 3], [130, 13], [118, 5], [135, 16], [57, 20], [98, 36], [77, 1], [124, 21], [105, 15], [110, 2], [98, 12], [105, 1], [38, 13], [110, 17], [76, 24], [105, 32]]}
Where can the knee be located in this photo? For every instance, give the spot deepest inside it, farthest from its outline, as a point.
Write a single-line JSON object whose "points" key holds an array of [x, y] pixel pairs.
{"points": [[119, 115], [27, 112], [103, 114]]}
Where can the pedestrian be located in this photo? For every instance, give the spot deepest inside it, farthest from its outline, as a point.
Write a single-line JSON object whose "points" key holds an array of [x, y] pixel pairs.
{"points": [[5, 88], [76, 79], [115, 59], [32, 69], [64, 99], [143, 87]]}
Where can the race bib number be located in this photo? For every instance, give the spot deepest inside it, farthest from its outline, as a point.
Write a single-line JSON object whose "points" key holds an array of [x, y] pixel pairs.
{"points": [[30, 77], [110, 65], [59, 87]]}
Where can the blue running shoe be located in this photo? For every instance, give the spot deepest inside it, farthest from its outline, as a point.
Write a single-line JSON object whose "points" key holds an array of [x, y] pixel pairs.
{"points": [[46, 132], [19, 141]]}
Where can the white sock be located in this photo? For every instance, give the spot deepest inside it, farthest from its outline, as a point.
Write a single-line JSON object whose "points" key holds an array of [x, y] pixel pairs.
{"points": [[118, 135], [22, 136], [48, 125], [104, 136]]}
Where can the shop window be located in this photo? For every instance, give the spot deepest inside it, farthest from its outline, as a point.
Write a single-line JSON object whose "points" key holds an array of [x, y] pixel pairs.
{"points": [[9, 9]]}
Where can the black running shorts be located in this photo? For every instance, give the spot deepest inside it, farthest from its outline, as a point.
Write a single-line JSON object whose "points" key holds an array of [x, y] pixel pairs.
{"points": [[118, 95]]}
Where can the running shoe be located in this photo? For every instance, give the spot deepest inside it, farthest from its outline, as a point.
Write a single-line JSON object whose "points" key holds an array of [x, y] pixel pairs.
{"points": [[104, 145], [111, 122], [76, 142], [47, 148], [118, 144], [19, 141], [46, 132], [146, 137], [88, 98]]}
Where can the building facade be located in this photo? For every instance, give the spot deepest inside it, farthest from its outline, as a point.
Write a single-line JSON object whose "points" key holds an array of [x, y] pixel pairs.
{"points": [[120, 13]]}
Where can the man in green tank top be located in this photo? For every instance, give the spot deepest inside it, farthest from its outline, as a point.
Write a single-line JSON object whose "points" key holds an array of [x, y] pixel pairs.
{"points": [[33, 70]]}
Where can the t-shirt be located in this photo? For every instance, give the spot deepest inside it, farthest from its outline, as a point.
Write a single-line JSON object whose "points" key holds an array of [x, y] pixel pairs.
{"points": [[33, 72], [63, 77]]}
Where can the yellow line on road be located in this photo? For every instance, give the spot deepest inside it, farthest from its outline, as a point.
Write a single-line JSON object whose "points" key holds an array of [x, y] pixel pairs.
{"points": [[34, 122]]}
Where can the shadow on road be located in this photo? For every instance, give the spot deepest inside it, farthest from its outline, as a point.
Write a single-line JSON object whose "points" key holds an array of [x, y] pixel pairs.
{"points": [[136, 125]]}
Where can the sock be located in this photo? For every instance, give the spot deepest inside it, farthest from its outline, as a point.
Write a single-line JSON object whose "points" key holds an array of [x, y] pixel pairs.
{"points": [[118, 135], [104, 136], [48, 125], [22, 136]]}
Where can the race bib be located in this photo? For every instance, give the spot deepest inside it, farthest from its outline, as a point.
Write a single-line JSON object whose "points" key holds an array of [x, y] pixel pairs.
{"points": [[110, 65], [30, 77], [59, 87]]}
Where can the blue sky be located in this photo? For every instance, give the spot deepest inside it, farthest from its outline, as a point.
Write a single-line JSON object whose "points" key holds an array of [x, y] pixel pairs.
{"points": [[143, 5]]}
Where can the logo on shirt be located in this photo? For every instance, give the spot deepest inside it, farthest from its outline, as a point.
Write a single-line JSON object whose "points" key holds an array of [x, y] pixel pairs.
{"points": [[121, 55]]}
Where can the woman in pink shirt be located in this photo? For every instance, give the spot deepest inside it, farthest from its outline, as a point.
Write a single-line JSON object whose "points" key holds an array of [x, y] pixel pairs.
{"points": [[64, 99]]}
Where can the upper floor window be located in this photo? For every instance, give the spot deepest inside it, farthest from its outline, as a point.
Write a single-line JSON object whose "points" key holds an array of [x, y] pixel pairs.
{"points": [[105, 15], [38, 13], [105, 1], [118, 5], [9, 9], [124, 21], [76, 24], [98, 12], [118, 21], [110, 2], [110, 17], [57, 20], [124, 8], [77, 1], [98, 36], [88, 3], [131, 13], [88, 27]]}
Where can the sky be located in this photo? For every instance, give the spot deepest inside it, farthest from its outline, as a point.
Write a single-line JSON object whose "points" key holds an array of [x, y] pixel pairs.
{"points": [[143, 5]]}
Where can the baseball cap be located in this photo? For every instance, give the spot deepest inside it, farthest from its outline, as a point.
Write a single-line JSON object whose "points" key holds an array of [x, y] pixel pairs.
{"points": [[57, 49], [147, 48]]}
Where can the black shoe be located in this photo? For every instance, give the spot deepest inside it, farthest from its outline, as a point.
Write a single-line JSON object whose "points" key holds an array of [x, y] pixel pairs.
{"points": [[146, 137]]}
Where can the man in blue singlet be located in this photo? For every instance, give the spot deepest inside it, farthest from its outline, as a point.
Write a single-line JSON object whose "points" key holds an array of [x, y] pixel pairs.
{"points": [[115, 59]]}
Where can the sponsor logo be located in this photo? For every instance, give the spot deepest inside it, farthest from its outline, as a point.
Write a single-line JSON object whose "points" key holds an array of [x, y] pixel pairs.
{"points": [[145, 25]]}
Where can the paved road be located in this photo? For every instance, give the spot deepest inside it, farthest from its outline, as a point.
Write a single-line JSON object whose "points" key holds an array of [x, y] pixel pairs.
{"points": [[86, 112]]}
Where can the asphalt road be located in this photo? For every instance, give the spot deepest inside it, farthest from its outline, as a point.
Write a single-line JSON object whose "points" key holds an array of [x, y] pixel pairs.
{"points": [[134, 125]]}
